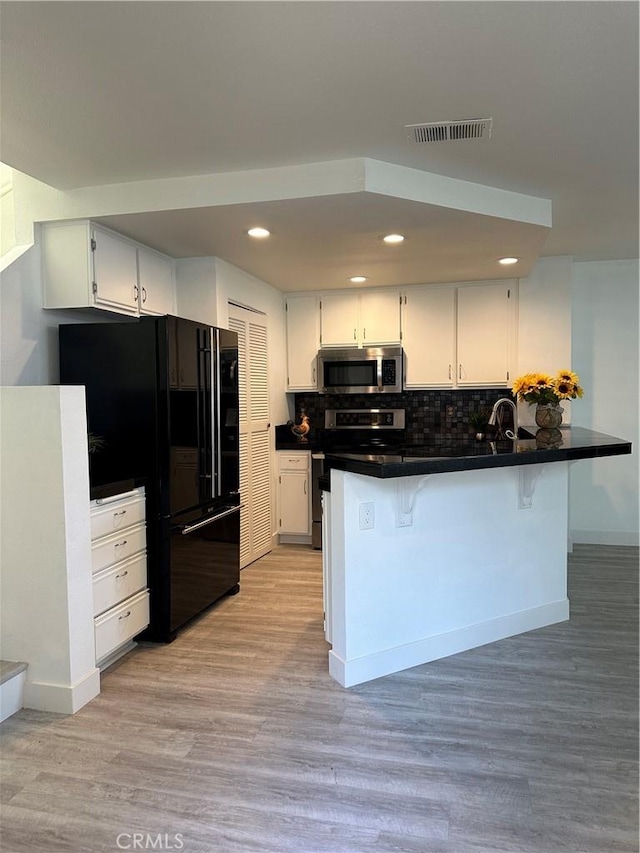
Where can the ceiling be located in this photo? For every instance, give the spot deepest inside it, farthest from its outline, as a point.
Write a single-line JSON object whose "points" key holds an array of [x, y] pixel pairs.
{"points": [[113, 93]]}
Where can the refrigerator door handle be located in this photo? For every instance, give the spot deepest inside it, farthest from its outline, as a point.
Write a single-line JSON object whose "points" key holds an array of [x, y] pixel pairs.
{"points": [[189, 528], [217, 431]]}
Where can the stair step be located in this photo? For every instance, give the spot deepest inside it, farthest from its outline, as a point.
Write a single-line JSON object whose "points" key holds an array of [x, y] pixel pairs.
{"points": [[13, 675], [9, 668]]}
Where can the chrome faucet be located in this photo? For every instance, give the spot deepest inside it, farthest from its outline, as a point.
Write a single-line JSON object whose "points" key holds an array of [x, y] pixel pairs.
{"points": [[495, 419]]}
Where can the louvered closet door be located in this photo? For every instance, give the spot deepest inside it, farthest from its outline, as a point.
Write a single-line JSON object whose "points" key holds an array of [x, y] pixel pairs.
{"points": [[256, 525]]}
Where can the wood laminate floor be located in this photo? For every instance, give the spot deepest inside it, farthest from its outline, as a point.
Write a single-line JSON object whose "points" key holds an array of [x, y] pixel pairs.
{"points": [[235, 740]]}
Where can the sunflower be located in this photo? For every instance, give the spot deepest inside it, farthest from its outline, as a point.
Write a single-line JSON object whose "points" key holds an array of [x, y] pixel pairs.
{"points": [[541, 380], [543, 389], [563, 390]]}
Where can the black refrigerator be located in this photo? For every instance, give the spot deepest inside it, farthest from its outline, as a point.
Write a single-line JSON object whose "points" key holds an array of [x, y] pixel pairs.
{"points": [[162, 396]]}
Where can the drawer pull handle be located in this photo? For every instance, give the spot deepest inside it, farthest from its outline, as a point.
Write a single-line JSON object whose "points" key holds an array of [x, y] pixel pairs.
{"points": [[120, 544], [123, 574], [122, 512], [125, 615]]}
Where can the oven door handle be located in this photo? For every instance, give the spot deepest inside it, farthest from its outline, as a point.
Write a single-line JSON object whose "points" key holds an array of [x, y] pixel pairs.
{"points": [[189, 528]]}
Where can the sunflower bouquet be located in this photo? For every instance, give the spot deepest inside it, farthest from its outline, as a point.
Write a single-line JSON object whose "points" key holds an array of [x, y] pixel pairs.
{"points": [[546, 390]]}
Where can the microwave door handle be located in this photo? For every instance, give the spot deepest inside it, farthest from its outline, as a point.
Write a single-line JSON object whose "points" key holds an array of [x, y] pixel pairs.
{"points": [[379, 371]]}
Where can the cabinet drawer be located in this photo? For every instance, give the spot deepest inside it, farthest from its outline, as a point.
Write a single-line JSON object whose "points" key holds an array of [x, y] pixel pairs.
{"points": [[120, 624], [113, 585], [113, 515], [294, 461], [119, 546]]}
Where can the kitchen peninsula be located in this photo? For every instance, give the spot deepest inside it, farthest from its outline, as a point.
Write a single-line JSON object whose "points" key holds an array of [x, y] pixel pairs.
{"points": [[443, 548]]}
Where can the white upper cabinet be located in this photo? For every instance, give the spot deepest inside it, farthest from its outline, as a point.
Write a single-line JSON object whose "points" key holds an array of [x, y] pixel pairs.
{"points": [[156, 282], [339, 320], [459, 335], [428, 336], [379, 318], [486, 320], [115, 272], [88, 266], [303, 342], [360, 319]]}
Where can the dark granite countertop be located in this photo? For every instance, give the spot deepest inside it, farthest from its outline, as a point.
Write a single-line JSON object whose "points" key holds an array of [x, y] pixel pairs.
{"points": [[297, 445], [108, 490], [437, 457]]}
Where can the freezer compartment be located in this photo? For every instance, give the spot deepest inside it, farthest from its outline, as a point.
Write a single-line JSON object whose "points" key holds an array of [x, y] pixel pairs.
{"points": [[204, 561]]}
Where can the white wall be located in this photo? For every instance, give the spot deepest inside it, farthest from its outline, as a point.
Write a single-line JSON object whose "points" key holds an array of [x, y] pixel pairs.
{"points": [[7, 216], [604, 492], [29, 333], [544, 325]]}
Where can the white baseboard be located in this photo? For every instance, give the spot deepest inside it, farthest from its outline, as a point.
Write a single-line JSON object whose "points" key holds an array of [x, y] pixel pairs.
{"points": [[62, 698], [387, 661], [605, 537], [294, 539]]}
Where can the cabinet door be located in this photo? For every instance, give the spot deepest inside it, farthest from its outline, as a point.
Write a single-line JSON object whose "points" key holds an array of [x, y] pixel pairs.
{"points": [[294, 504], [484, 333], [380, 318], [155, 278], [115, 272], [428, 336], [339, 320], [303, 342]]}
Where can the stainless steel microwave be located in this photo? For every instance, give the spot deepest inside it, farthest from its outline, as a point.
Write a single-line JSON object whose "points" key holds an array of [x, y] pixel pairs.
{"points": [[374, 370]]}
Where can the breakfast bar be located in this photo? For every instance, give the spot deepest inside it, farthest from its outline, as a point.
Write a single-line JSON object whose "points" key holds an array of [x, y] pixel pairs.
{"points": [[442, 548]]}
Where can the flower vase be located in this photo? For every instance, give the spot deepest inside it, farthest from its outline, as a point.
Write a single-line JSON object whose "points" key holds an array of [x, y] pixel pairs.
{"points": [[548, 416], [548, 439]]}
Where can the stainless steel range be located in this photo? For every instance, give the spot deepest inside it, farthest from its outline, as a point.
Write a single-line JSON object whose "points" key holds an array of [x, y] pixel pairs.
{"points": [[363, 431]]}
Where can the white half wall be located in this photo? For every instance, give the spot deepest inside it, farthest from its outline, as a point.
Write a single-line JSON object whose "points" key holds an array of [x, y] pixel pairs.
{"points": [[471, 568], [604, 492], [47, 595]]}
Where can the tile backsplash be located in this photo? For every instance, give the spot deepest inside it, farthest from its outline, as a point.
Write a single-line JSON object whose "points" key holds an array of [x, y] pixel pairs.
{"points": [[428, 413]]}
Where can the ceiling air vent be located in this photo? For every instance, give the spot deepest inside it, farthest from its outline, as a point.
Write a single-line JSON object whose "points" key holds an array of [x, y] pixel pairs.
{"points": [[446, 131]]}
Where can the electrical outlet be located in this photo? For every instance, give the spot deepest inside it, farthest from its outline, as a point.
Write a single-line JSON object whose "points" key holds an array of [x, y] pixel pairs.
{"points": [[367, 516], [404, 519]]}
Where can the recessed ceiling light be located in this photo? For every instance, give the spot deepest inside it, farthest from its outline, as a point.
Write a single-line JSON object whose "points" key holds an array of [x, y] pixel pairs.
{"points": [[258, 232], [358, 279], [393, 238], [506, 261]]}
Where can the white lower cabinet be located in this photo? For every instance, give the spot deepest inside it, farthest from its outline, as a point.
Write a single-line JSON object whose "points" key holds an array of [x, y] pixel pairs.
{"points": [[120, 624], [294, 494], [119, 565]]}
